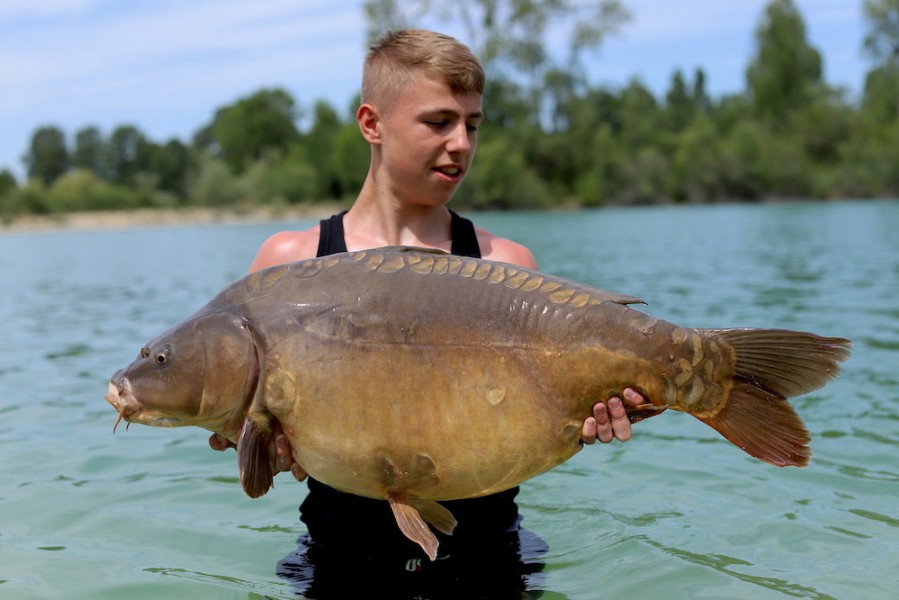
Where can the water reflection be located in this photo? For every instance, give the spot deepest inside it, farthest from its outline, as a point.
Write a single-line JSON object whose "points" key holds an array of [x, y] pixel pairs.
{"points": [[505, 569]]}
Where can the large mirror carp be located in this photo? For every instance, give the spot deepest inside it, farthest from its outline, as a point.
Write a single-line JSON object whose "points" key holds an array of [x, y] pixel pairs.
{"points": [[415, 376]]}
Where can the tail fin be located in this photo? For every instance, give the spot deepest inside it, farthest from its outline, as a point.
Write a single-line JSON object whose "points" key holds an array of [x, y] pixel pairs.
{"points": [[771, 366]]}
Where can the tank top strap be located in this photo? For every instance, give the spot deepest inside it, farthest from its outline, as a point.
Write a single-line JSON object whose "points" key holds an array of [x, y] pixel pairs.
{"points": [[465, 240], [331, 239]]}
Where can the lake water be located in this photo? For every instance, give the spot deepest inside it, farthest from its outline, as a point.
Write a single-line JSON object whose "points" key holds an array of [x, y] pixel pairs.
{"points": [[677, 512]]}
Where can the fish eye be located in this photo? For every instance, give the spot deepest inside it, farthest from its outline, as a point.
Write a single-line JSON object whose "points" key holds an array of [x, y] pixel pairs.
{"points": [[162, 355]]}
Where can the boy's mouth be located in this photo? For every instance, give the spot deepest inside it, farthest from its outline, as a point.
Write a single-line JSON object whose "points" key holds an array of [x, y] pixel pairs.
{"points": [[450, 171]]}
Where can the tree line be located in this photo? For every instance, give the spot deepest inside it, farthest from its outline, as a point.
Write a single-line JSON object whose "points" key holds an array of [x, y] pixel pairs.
{"points": [[550, 138]]}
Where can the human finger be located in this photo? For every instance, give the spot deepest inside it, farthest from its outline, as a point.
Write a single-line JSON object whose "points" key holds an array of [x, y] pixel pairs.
{"points": [[619, 424], [588, 431], [283, 459], [632, 398], [604, 432]]}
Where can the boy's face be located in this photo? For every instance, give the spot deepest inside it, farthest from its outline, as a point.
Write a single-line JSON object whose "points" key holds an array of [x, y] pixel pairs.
{"points": [[428, 140]]}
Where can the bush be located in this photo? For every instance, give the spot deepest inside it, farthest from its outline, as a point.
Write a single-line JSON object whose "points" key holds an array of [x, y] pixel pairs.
{"points": [[273, 180], [214, 184], [81, 190]]}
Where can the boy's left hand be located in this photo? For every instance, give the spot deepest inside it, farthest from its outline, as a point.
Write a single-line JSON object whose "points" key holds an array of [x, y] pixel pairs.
{"points": [[609, 420]]}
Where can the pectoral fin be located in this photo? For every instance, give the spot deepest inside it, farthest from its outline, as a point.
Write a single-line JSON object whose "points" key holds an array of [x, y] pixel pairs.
{"points": [[253, 457], [413, 525]]}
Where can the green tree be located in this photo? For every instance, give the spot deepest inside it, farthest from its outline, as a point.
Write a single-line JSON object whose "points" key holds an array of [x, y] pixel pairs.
{"points": [[881, 46], [500, 179], [213, 184], [822, 127], [171, 164], [8, 189], [30, 199], [640, 116], [603, 181], [512, 37], [881, 42], [281, 180], [679, 106], [47, 157], [785, 73], [89, 152], [559, 157], [128, 153], [513, 33], [81, 190], [350, 159], [7, 182], [684, 102], [868, 160], [698, 169], [507, 106], [700, 95], [320, 142], [742, 155], [730, 111], [244, 131]]}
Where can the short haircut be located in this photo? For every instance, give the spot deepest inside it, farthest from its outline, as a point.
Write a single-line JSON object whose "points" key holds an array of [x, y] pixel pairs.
{"points": [[398, 57]]}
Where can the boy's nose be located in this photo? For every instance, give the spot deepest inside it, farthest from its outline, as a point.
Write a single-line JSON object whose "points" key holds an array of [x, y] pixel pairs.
{"points": [[460, 139]]}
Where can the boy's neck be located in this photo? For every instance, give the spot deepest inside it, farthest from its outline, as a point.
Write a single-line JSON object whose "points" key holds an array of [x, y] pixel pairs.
{"points": [[380, 221]]}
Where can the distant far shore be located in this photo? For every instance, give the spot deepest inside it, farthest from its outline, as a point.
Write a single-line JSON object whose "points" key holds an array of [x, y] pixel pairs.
{"points": [[163, 217]]}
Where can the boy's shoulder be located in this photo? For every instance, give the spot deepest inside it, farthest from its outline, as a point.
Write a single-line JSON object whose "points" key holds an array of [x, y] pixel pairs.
{"points": [[504, 250], [287, 246]]}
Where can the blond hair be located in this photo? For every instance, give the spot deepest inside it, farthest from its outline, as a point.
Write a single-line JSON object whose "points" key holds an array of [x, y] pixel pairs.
{"points": [[398, 57]]}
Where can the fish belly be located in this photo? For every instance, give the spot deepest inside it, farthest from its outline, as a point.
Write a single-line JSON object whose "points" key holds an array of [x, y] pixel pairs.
{"points": [[438, 423]]}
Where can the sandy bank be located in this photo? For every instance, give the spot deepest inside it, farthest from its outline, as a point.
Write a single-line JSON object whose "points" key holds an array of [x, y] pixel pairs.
{"points": [[146, 218]]}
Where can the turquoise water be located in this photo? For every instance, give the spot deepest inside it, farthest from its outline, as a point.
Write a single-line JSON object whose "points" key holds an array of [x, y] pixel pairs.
{"points": [[677, 512]]}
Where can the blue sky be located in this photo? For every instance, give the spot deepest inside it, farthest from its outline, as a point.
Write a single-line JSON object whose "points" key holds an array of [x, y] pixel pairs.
{"points": [[165, 66]]}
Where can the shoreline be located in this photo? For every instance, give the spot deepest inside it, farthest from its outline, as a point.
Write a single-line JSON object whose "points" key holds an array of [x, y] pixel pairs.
{"points": [[165, 217]]}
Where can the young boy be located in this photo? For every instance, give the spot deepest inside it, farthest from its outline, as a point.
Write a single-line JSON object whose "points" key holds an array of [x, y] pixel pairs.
{"points": [[420, 111]]}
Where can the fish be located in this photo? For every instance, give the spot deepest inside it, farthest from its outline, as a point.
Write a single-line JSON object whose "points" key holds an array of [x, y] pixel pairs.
{"points": [[415, 376]]}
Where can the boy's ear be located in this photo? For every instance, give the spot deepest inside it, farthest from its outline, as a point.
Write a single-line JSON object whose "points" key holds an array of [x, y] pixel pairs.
{"points": [[369, 123]]}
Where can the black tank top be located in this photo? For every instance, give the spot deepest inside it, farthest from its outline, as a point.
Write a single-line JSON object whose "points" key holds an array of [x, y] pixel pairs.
{"points": [[332, 240], [356, 525]]}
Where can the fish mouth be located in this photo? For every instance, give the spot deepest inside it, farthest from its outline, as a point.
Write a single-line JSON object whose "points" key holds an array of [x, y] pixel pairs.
{"points": [[121, 397]]}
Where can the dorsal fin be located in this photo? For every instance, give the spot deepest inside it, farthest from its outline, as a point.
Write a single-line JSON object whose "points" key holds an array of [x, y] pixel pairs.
{"points": [[413, 249]]}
